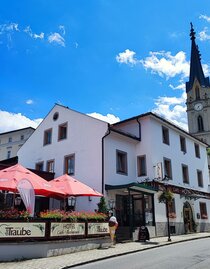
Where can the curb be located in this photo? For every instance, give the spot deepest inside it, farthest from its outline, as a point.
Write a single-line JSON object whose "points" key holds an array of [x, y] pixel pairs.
{"points": [[134, 251]]}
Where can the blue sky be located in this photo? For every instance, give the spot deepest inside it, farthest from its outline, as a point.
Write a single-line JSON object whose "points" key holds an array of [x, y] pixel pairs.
{"points": [[113, 59]]}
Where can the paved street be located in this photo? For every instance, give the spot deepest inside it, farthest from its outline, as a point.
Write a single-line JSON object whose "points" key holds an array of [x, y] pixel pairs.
{"points": [[193, 254], [83, 257]]}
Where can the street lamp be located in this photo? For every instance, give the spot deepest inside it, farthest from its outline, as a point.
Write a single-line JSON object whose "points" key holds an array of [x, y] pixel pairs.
{"points": [[71, 202]]}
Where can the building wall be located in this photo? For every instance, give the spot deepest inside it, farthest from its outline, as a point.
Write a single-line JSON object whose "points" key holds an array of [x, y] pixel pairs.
{"points": [[11, 142], [84, 139], [155, 150]]}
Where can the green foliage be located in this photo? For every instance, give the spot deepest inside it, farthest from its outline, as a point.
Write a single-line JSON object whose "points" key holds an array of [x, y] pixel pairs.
{"points": [[166, 196], [102, 207], [208, 151]]}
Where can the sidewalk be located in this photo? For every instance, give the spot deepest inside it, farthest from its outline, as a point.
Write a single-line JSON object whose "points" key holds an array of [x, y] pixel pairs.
{"points": [[78, 258]]}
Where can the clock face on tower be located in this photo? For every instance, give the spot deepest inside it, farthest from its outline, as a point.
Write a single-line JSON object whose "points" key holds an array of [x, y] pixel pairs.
{"points": [[198, 106]]}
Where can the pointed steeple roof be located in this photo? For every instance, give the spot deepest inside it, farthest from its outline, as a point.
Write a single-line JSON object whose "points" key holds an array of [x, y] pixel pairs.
{"points": [[196, 70]]}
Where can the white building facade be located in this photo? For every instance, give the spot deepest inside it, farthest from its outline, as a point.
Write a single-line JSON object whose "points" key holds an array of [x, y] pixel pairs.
{"points": [[159, 154], [68, 142], [11, 142], [127, 161]]}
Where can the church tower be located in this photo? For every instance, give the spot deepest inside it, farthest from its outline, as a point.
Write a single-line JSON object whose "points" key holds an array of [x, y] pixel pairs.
{"points": [[198, 96]]}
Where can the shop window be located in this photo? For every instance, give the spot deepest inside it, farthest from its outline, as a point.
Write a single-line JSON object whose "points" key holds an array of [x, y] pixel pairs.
{"points": [[165, 135], [185, 174], [203, 211], [69, 164], [62, 131], [141, 165], [47, 137], [121, 162]]}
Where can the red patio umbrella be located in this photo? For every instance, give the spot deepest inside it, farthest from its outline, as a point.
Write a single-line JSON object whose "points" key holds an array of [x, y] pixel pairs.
{"points": [[9, 178], [73, 187]]}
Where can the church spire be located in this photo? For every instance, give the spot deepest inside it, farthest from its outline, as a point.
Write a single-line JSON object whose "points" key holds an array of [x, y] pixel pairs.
{"points": [[196, 70]]}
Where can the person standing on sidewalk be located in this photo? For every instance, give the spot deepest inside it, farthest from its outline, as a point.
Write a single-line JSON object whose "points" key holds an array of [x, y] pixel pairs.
{"points": [[113, 224]]}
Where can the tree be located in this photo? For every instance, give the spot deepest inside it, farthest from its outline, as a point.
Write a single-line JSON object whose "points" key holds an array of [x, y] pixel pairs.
{"points": [[102, 207]]}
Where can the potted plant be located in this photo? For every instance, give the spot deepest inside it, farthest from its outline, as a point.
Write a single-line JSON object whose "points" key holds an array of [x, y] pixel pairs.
{"points": [[166, 196]]}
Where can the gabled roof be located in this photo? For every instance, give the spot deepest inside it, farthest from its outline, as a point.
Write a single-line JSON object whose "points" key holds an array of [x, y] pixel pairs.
{"points": [[17, 130], [157, 117]]}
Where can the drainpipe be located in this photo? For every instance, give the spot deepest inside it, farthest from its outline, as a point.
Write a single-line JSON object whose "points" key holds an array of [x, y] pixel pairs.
{"points": [[137, 119], [107, 133]]}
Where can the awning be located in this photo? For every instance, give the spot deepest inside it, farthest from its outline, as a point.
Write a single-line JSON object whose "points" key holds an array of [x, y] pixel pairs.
{"points": [[133, 187]]}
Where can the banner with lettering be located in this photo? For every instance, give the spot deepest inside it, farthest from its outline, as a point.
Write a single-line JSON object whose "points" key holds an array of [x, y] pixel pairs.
{"points": [[67, 229], [21, 229], [98, 228]]}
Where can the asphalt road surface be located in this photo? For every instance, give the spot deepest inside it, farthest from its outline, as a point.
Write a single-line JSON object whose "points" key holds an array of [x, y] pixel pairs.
{"points": [[191, 254]]}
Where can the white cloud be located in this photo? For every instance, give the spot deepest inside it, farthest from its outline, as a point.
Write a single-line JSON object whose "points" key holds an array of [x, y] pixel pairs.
{"points": [[203, 34], [110, 118], [62, 29], [127, 57], [11, 121], [33, 35], [56, 38], [8, 27], [165, 64], [204, 17], [181, 86], [29, 102], [7, 31], [173, 109]]}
